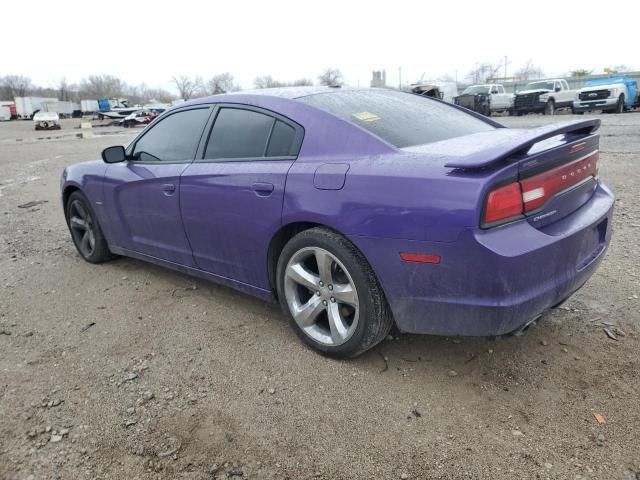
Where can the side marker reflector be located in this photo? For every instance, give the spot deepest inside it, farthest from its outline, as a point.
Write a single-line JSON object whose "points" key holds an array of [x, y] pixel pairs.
{"points": [[420, 257]]}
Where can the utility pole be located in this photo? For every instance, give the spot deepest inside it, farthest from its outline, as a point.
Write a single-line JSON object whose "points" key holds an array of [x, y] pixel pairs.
{"points": [[399, 78], [505, 67]]}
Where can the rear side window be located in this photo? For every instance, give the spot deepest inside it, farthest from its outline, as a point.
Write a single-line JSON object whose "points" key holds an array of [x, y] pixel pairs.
{"points": [[282, 141], [174, 138], [402, 119], [239, 133]]}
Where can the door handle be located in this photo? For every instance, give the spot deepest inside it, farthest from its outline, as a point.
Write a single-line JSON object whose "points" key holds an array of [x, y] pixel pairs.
{"points": [[168, 188], [263, 189]]}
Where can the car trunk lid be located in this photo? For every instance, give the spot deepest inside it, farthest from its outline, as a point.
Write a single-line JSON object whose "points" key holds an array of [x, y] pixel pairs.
{"points": [[556, 168]]}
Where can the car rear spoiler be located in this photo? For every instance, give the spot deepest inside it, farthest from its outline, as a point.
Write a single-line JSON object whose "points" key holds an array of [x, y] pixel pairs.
{"points": [[520, 143]]}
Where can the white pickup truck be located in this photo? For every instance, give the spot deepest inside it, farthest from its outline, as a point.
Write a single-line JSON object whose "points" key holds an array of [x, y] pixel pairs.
{"points": [[544, 96], [613, 94], [485, 99]]}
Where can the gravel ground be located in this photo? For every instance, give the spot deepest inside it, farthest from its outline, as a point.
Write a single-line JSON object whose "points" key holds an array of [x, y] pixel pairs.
{"points": [[127, 370]]}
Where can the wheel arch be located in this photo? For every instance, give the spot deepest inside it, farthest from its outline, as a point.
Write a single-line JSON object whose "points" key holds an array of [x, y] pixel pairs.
{"points": [[286, 233], [66, 193], [277, 243]]}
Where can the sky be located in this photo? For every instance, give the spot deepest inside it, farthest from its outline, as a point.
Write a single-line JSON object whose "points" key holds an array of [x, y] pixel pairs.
{"points": [[151, 41]]}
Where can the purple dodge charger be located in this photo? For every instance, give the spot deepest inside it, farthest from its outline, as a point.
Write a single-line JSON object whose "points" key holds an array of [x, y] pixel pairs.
{"points": [[356, 209]]}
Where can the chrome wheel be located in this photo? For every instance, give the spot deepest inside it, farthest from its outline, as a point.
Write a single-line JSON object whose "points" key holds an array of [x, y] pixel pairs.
{"points": [[81, 226], [321, 296]]}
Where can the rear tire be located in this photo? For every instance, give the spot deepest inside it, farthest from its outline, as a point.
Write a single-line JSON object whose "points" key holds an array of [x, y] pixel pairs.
{"points": [[85, 230], [330, 294]]}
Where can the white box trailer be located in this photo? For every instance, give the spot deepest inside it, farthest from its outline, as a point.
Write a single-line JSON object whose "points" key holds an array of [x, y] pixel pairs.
{"points": [[5, 114], [62, 108], [27, 106], [89, 106]]}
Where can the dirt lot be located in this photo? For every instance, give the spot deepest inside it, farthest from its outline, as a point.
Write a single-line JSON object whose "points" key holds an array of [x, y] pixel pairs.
{"points": [[126, 370]]}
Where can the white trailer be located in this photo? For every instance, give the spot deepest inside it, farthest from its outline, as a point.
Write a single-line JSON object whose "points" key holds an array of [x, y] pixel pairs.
{"points": [[5, 114], [89, 106], [62, 108], [27, 106]]}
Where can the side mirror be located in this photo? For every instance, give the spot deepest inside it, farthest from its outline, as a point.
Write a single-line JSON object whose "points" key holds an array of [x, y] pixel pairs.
{"points": [[114, 154], [558, 89]]}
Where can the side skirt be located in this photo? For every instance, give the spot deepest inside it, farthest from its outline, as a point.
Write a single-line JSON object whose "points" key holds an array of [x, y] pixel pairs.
{"points": [[261, 293]]}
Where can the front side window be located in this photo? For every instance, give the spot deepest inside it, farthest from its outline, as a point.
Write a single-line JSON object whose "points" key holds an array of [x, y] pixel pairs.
{"points": [[401, 119], [239, 133], [174, 138]]}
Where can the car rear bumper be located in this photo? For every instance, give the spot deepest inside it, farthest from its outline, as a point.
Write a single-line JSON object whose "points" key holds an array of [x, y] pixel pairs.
{"points": [[492, 282]]}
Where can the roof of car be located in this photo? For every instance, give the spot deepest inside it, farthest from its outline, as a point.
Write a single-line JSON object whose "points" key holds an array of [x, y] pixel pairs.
{"points": [[292, 92], [271, 97]]}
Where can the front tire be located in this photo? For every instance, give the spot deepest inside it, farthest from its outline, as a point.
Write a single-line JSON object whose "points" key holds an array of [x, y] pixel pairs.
{"points": [[85, 230], [620, 105], [330, 294], [550, 108]]}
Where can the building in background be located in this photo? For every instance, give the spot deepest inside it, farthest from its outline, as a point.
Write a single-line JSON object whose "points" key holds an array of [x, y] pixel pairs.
{"points": [[379, 78]]}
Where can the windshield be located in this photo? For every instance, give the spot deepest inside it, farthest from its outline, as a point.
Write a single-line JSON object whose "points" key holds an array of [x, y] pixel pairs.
{"points": [[476, 89], [402, 119], [539, 86]]}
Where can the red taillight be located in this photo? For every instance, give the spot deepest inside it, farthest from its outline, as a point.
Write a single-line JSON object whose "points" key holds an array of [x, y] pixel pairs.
{"points": [[531, 193], [538, 189], [504, 202]]}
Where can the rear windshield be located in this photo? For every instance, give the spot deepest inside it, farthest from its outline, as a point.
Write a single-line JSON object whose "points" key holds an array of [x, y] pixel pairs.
{"points": [[402, 119]]}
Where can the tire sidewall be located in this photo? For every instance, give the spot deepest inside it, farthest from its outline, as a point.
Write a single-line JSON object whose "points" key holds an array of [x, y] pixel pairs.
{"points": [[359, 275], [549, 108], [101, 250]]}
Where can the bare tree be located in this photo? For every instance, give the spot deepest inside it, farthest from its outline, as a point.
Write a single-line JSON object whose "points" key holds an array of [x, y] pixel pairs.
{"points": [[482, 72], [581, 72], [529, 71], [15, 85], [302, 82], [102, 86], [331, 76], [64, 89], [187, 87], [267, 81], [222, 83], [141, 94], [618, 69]]}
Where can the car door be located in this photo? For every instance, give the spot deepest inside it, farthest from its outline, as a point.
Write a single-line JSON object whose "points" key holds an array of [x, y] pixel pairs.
{"points": [[142, 193], [497, 100], [567, 93], [559, 93], [231, 197]]}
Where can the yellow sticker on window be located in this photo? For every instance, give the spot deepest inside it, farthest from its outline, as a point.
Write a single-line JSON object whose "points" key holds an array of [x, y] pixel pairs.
{"points": [[366, 116]]}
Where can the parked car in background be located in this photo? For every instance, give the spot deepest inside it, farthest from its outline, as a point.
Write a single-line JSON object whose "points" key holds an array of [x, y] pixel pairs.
{"points": [[446, 91], [46, 121], [415, 213], [544, 96], [485, 99], [140, 117], [615, 94]]}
